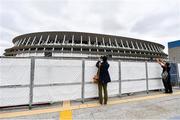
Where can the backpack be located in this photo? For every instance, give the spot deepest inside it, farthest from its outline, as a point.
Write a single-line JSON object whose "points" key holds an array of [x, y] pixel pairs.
{"points": [[164, 75]]}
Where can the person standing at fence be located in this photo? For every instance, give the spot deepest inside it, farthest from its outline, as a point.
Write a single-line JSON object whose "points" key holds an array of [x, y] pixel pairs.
{"points": [[104, 78], [166, 75]]}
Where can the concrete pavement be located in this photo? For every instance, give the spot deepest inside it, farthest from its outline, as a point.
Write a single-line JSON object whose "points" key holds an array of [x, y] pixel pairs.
{"points": [[154, 105]]}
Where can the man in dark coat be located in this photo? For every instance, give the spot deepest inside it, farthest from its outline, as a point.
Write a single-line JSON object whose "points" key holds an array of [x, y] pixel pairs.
{"points": [[104, 78]]}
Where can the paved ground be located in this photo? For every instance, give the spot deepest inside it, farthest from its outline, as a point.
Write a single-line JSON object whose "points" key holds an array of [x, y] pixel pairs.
{"points": [[137, 106], [162, 108]]}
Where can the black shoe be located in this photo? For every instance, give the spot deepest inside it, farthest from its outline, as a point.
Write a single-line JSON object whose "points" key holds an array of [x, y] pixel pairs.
{"points": [[170, 92]]}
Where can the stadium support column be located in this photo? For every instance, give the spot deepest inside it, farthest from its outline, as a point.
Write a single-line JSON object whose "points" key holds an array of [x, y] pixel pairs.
{"points": [[28, 41], [31, 86]]}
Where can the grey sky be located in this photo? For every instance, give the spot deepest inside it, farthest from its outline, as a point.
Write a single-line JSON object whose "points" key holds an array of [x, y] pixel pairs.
{"points": [[152, 20]]}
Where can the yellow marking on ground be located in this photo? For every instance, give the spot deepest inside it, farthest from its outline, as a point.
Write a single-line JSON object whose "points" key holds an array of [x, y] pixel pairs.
{"points": [[75, 107], [176, 93], [116, 102], [29, 112], [83, 106], [66, 106], [66, 114], [93, 105]]}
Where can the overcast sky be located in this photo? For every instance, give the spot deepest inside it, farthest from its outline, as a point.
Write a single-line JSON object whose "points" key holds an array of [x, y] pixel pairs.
{"points": [[151, 20]]}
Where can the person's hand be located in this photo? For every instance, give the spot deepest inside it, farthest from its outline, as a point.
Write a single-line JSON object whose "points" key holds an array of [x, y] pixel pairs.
{"points": [[160, 60], [157, 59], [100, 64]]}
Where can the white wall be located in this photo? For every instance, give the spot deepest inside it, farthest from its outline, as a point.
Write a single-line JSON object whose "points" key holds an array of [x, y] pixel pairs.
{"points": [[54, 71], [133, 76], [154, 75], [67, 76], [14, 72]]}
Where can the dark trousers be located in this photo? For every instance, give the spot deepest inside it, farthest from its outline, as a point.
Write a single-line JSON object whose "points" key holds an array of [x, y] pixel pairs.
{"points": [[102, 87], [167, 85]]}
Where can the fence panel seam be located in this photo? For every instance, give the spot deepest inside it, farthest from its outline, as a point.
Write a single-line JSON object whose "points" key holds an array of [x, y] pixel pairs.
{"points": [[120, 78], [83, 81], [147, 82]]}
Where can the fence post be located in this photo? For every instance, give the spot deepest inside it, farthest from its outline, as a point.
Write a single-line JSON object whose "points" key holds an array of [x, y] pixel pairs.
{"points": [[83, 80], [31, 82], [119, 78], [178, 77], [147, 82]]}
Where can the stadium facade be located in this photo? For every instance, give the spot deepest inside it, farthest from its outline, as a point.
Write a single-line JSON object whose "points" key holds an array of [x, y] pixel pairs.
{"points": [[81, 44], [174, 51]]}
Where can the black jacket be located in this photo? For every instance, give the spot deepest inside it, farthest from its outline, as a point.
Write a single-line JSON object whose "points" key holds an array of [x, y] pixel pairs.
{"points": [[104, 74]]}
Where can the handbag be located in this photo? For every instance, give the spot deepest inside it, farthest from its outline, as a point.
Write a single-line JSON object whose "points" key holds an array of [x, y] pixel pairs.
{"points": [[164, 75], [96, 77]]}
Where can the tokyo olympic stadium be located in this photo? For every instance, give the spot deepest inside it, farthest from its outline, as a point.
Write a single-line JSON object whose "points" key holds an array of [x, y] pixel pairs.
{"points": [[81, 44]]}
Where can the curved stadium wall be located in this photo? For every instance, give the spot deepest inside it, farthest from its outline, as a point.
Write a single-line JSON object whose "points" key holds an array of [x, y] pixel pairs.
{"points": [[87, 45]]}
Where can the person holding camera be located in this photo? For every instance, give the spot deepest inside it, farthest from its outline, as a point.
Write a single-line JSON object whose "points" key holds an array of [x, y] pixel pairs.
{"points": [[104, 78], [165, 75]]}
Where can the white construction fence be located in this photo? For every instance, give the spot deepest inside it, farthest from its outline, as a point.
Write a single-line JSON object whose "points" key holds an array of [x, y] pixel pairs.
{"points": [[28, 81]]}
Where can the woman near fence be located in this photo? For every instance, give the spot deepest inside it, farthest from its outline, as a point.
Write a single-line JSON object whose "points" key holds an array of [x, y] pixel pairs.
{"points": [[104, 78], [165, 75]]}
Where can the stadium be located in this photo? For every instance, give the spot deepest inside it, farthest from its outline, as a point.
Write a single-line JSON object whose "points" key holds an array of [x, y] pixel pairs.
{"points": [[86, 45]]}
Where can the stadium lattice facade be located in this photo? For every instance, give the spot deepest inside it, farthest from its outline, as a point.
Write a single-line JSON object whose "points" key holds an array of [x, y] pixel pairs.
{"points": [[87, 45]]}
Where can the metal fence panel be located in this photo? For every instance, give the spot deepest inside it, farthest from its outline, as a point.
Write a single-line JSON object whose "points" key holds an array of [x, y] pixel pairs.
{"points": [[91, 89], [56, 93], [14, 81], [14, 96], [133, 70], [14, 71], [179, 67], [179, 74], [114, 70], [57, 80], [173, 74], [113, 86], [57, 71], [154, 76], [133, 86], [90, 70], [133, 75]]}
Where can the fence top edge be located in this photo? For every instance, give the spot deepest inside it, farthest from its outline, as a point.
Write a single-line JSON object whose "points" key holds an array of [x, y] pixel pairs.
{"points": [[77, 58], [68, 58]]}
